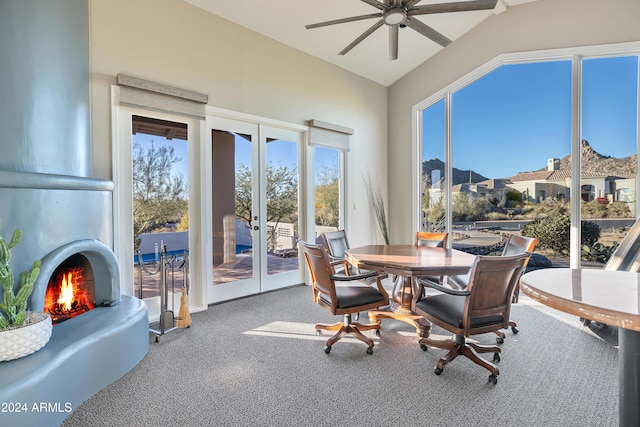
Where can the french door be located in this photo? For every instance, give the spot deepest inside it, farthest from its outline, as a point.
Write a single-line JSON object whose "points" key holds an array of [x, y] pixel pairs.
{"points": [[255, 206]]}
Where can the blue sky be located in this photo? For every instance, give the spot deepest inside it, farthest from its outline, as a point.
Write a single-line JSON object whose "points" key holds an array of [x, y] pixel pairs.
{"points": [[516, 117]]}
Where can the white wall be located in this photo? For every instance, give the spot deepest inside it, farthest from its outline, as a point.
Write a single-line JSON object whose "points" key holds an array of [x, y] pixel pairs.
{"points": [[544, 24], [172, 42]]}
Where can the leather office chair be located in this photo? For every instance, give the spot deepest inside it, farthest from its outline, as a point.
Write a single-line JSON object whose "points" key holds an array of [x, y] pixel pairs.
{"points": [[336, 244], [435, 240], [514, 245], [482, 307], [342, 300]]}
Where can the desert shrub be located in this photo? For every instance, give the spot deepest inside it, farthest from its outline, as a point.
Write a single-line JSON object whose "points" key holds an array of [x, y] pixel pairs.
{"points": [[460, 207], [553, 232], [479, 209], [551, 207], [590, 232], [497, 216], [618, 210], [513, 197], [593, 209], [598, 252]]}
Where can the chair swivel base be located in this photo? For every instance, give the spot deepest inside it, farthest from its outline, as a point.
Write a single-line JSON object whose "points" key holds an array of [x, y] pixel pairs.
{"points": [[501, 335], [461, 347], [348, 328], [397, 312]]}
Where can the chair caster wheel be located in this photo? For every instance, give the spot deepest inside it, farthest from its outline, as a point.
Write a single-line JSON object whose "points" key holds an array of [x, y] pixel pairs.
{"points": [[424, 347], [500, 340], [370, 350], [327, 349], [493, 379], [437, 370], [514, 330], [377, 332], [496, 357]]}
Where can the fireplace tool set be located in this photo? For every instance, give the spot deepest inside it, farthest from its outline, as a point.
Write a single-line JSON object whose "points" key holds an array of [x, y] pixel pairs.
{"points": [[167, 267]]}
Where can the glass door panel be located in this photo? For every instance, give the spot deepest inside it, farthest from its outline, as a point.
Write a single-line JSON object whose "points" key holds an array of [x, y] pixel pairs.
{"points": [[234, 208], [160, 202], [280, 181], [255, 200]]}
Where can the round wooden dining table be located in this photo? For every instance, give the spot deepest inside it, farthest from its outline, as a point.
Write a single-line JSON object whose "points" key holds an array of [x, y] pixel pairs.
{"points": [[605, 296], [407, 263]]}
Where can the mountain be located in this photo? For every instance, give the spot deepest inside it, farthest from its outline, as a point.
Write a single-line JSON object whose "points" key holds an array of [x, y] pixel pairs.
{"points": [[459, 176], [592, 161]]}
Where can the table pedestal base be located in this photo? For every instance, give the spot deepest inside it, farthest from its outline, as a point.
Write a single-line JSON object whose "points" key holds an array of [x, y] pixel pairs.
{"points": [[400, 307], [629, 377]]}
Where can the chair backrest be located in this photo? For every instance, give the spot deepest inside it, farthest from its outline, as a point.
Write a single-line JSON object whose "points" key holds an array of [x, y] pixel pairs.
{"points": [[492, 282], [517, 244], [320, 269], [627, 254], [427, 238], [336, 242]]}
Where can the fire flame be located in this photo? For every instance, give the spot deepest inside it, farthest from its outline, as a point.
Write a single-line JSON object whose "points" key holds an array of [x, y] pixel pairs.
{"points": [[69, 294], [66, 291]]}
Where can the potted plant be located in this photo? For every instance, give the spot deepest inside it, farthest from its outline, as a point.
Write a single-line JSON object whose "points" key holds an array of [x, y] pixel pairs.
{"points": [[22, 332]]}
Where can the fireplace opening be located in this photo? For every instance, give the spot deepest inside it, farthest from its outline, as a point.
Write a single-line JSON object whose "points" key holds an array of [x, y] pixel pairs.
{"points": [[71, 289]]}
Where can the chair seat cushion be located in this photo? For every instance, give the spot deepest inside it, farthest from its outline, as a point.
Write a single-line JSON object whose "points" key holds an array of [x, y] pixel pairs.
{"points": [[449, 309], [354, 296]]}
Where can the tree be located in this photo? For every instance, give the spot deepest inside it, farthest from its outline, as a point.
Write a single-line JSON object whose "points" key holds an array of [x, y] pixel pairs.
{"points": [[281, 196], [159, 194]]}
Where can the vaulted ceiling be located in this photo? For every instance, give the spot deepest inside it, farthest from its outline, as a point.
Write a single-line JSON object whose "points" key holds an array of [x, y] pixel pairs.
{"points": [[285, 21]]}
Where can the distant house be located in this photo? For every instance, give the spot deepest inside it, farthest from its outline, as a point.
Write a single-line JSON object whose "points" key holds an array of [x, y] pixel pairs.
{"points": [[491, 188], [554, 183]]}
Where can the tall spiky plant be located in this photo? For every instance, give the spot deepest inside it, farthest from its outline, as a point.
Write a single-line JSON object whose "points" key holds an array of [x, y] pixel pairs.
{"points": [[377, 204], [13, 307]]}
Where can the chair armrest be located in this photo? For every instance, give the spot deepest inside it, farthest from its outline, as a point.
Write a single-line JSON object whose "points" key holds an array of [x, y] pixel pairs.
{"points": [[443, 289], [345, 278]]}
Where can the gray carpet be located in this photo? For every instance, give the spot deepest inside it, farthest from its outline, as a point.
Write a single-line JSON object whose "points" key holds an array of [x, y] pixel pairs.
{"points": [[257, 362]]}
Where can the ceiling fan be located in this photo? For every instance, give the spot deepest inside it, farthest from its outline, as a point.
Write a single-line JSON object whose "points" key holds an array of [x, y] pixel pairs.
{"points": [[399, 14]]}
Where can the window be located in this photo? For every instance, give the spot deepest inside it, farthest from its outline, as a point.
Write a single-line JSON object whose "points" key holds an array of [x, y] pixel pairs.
{"points": [[509, 134], [328, 188]]}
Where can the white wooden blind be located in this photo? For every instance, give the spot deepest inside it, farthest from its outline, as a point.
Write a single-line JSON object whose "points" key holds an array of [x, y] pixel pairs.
{"points": [[140, 93], [329, 135]]}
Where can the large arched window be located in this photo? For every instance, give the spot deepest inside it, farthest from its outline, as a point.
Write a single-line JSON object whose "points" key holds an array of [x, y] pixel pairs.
{"points": [[497, 151]]}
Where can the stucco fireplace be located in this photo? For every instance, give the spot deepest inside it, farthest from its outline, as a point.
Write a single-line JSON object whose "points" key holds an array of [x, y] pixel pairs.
{"points": [[46, 189]]}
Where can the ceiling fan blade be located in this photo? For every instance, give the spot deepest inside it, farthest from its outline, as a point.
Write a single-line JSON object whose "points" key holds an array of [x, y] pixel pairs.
{"points": [[427, 31], [363, 36], [376, 4], [343, 20], [410, 3], [393, 42], [461, 6]]}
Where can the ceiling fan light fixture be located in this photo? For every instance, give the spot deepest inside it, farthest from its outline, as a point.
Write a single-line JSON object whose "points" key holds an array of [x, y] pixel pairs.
{"points": [[395, 16]]}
